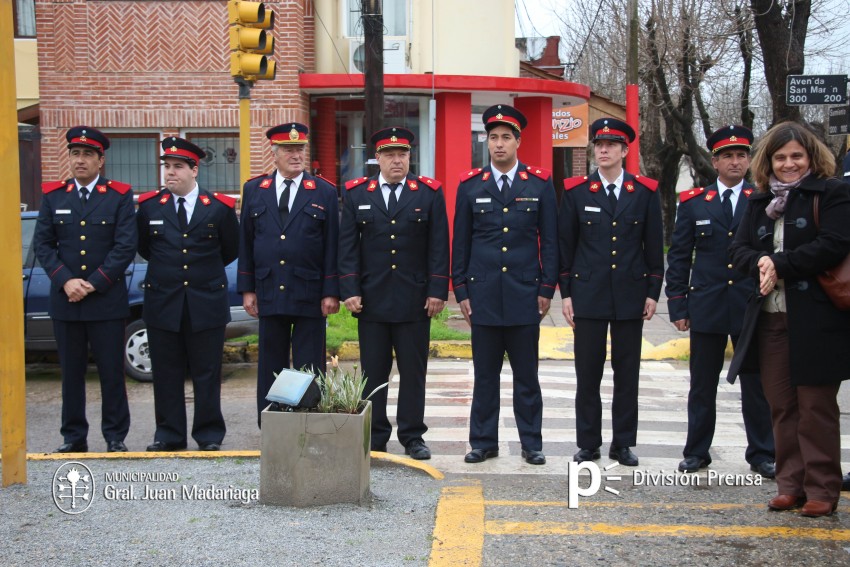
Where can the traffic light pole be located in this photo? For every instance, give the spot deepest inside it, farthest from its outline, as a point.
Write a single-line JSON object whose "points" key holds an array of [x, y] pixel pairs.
{"points": [[244, 133]]}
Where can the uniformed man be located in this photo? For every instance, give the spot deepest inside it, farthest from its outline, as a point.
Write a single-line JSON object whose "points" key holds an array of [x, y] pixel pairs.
{"points": [[612, 264], [504, 270], [85, 238], [187, 235], [394, 276], [287, 259], [708, 296]]}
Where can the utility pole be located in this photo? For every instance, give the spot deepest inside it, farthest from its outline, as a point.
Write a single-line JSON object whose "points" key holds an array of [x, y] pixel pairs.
{"points": [[373, 35], [13, 398], [632, 92]]}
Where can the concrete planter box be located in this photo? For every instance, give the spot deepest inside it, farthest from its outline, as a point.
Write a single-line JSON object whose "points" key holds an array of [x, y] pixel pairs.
{"points": [[313, 459]]}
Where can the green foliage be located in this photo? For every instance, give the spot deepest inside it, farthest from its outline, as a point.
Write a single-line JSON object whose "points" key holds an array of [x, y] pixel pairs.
{"points": [[342, 391], [342, 327]]}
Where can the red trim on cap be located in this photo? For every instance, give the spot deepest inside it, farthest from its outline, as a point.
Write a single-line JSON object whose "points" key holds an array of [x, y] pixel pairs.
{"points": [[389, 142], [611, 132], [285, 138], [731, 141], [86, 141], [508, 119], [174, 151]]}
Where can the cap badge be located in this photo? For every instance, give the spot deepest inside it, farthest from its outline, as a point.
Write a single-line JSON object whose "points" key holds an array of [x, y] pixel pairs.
{"points": [[394, 139], [293, 134], [83, 138], [499, 116], [172, 149], [733, 139], [606, 129]]}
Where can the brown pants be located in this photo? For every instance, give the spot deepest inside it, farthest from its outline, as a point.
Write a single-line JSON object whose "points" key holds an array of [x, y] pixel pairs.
{"points": [[805, 420]]}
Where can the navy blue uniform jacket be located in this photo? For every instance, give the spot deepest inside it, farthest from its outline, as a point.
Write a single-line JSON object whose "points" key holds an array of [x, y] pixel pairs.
{"points": [[95, 243], [394, 263], [290, 268], [702, 283], [187, 265], [610, 261], [505, 248]]}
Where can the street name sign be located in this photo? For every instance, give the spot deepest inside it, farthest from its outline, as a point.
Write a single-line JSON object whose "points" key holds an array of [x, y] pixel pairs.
{"points": [[816, 89]]}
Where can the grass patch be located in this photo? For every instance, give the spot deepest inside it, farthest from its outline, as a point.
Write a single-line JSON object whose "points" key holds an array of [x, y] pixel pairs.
{"points": [[342, 327]]}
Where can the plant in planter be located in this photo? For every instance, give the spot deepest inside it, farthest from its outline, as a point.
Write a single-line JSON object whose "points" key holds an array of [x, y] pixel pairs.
{"points": [[319, 456]]}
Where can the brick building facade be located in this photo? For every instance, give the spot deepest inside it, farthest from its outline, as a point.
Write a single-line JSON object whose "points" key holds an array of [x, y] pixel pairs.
{"points": [[145, 69]]}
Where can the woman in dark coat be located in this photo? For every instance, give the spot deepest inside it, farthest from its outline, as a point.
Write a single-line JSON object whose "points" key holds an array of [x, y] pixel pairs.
{"points": [[800, 336]]}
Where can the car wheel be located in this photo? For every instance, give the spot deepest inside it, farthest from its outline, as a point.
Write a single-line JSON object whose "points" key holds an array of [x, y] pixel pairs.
{"points": [[137, 357]]}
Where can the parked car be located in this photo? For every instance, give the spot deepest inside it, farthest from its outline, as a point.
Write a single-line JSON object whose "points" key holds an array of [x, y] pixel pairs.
{"points": [[38, 328]]}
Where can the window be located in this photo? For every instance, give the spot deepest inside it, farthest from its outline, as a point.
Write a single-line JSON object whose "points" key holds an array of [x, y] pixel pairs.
{"points": [[219, 170], [395, 17], [24, 18], [134, 159]]}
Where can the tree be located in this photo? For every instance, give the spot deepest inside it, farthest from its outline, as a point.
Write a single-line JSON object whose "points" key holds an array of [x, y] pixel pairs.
{"points": [[783, 26]]}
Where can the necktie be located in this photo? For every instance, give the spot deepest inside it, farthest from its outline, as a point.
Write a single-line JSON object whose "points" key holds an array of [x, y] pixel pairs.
{"points": [[506, 184], [392, 202], [612, 197], [283, 204], [727, 206], [182, 217], [84, 195]]}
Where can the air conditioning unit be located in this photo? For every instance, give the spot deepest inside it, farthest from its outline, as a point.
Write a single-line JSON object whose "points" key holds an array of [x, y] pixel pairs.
{"points": [[395, 56]]}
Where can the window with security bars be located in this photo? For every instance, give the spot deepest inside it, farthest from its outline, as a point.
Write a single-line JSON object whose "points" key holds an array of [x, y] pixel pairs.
{"points": [[134, 159], [219, 170]]}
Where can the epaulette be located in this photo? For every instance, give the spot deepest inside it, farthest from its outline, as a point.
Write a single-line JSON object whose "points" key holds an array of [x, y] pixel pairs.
{"points": [[257, 177], [226, 199], [573, 182], [119, 187], [686, 195], [52, 186], [432, 183], [543, 174], [149, 195], [470, 174], [647, 182], [351, 184], [326, 180]]}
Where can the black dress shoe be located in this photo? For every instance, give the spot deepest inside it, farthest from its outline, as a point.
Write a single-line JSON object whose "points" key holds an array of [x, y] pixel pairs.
{"points": [[692, 464], [587, 455], [417, 449], [78, 447], [116, 447], [845, 482], [765, 469], [534, 457], [163, 446], [480, 455], [209, 446], [624, 455]]}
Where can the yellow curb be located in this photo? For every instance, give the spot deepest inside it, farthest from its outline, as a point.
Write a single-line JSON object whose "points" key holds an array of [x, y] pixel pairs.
{"points": [[556, 343], [458, 537], [144, 455], [397, 459], [408, 462]]}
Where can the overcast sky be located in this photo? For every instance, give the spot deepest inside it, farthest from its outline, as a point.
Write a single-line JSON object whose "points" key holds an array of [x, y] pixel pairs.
{"points": [[534, 18]]}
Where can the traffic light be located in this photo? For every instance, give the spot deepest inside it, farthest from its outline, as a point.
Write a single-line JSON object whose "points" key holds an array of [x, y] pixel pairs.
{"points": [[251, 40]]}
